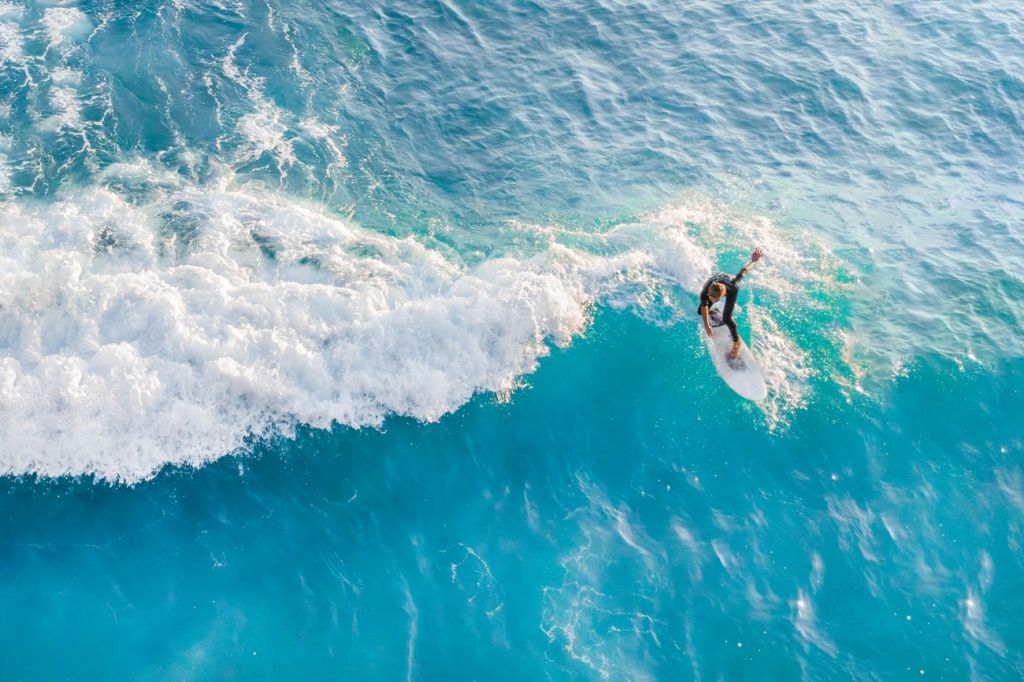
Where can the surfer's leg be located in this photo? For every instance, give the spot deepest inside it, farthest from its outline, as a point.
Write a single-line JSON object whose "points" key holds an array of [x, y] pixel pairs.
{"points": [[730, 303], [734, 352], [732, 329]]}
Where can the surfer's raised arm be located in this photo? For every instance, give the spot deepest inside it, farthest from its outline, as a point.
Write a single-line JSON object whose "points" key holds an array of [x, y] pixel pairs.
{"points": [[754, 257]]}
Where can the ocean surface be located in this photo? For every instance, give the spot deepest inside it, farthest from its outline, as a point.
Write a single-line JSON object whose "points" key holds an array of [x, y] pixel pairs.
{"points": [[357, 340]]}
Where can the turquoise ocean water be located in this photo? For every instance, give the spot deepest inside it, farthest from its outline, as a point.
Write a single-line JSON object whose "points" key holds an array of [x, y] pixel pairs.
{"points": [[356, 340]]}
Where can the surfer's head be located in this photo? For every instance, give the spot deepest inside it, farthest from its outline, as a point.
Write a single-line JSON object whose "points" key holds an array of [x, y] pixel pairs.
{"points": [[716, 291]]}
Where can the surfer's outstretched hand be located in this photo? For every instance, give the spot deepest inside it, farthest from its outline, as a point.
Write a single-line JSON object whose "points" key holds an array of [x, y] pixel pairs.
{"points": [[711, 334], [756, 256]]}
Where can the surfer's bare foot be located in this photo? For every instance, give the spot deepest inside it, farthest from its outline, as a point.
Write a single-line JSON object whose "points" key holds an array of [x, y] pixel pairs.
{"points": [[734, 353]]}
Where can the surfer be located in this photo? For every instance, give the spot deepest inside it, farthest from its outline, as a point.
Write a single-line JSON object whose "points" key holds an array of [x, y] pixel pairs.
{"points": [[725, 285]]}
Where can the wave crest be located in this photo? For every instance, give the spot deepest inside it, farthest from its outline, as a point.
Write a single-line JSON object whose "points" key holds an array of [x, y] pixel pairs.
{"points": [[138, 332]]}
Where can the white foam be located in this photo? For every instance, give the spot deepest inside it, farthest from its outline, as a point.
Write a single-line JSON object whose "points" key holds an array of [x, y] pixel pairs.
{"points": [[68, 110], [5, 175], [65, 25], [783, 364], [11, 51], [329, 137], [5, 170], [265, 131], [54, 78], [65, 76], [267, 128], [10, 10], [139, 173], [174, 312]]}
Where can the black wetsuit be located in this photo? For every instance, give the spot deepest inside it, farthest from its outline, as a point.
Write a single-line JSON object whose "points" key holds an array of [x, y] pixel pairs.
{"points": [[731, 291]]}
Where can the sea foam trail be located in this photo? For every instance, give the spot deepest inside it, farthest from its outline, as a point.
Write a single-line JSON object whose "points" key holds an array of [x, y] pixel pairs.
{"points": [[139, 333]]}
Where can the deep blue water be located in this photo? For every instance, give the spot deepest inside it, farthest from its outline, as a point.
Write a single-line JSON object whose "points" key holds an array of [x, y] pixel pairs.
{"points": [[357, 340]]}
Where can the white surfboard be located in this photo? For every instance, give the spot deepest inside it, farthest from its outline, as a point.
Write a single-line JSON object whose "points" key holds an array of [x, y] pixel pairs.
{"points": [[742, 374]]}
